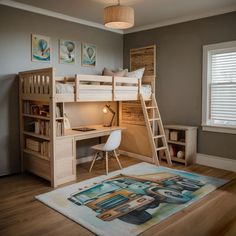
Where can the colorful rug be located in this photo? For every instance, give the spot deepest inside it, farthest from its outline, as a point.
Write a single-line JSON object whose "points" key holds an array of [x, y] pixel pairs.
{"points": [[129, 201]]}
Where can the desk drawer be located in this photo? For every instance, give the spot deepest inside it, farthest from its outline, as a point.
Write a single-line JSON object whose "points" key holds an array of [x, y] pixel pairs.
{"points": [[64, 148], [65, 170]]}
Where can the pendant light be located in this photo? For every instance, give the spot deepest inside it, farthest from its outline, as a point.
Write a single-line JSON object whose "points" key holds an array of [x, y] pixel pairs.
{"points": [[118, 17]]}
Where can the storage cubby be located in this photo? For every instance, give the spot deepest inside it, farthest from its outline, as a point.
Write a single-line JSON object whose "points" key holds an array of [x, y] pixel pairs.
{"points": [[59, 113], [182, 143]]}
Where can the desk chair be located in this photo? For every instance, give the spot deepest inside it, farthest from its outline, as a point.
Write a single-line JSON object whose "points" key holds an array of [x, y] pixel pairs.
{"points": [[113, 142]]}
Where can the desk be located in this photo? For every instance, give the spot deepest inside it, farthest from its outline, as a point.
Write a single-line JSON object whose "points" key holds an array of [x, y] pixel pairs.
{"points": [[98, 132], [65, 150]]}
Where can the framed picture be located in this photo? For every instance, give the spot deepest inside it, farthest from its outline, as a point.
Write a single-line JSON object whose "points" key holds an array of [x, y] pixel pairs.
{"points": [[88, 54], [66, 52], [41, 49]]}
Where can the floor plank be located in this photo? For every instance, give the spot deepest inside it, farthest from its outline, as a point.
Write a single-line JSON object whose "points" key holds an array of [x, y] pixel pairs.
{"points": [[22, 214]]}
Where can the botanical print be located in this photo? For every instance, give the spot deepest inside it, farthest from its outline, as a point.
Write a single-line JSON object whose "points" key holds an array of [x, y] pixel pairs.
{"points": [[40, 48], [67, 52], [88, 54], [130, 201]]}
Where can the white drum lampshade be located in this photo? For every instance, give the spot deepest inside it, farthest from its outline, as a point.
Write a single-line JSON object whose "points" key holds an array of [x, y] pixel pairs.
{"points": [[119, 17]]}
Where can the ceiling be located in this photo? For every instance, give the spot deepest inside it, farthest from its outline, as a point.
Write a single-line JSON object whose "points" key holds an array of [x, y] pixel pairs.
{"points": [[148, 13]]}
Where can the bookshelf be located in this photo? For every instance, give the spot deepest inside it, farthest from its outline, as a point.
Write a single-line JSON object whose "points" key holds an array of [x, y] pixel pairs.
{"points": [[40, 124], [182, 143]]}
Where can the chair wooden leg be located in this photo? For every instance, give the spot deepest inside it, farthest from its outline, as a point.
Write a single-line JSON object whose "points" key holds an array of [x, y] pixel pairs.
{"points": [[106, 162], [94, 159], [117, 159]]}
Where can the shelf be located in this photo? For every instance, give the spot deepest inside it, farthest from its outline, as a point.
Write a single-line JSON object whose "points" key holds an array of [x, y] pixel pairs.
{"points": [[175, 159], [36, 154], [37, 117], [176, 142], [60, 118], [36, 135]]}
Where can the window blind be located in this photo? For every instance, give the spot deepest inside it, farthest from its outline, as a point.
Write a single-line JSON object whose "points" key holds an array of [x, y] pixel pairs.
{"points": [[223, 88]]}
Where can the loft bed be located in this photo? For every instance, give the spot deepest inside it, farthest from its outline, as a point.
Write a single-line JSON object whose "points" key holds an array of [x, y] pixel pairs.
{"points": [[42, 84], [45, 149]]}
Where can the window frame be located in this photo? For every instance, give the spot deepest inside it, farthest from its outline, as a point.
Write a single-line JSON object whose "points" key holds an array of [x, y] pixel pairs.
{"points": [[208, 50]]}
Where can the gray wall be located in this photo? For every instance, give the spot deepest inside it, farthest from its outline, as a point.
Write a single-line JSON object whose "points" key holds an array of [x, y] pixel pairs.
{"points": [[179, 73], [16, 27]]}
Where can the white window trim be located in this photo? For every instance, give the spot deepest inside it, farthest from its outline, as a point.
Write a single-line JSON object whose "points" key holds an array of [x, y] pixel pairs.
{"points": [[206, 126]]}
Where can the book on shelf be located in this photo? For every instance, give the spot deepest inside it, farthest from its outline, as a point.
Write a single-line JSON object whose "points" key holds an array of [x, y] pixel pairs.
{"points": [[59, 128], [32, 145], [41, 147], [42, 127], [45, 149], [26, 107], [31, 108]]}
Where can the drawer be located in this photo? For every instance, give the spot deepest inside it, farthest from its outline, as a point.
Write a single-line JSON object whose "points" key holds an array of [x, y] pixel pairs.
{"points": [[65, 170], [64, 148]]}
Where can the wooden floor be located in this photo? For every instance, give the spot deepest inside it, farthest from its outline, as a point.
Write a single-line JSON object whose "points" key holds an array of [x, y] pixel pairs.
{"points": [[21, 214]]}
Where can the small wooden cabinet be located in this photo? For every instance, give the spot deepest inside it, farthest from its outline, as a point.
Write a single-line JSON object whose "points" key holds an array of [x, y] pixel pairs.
{"points": [[182, 143]]}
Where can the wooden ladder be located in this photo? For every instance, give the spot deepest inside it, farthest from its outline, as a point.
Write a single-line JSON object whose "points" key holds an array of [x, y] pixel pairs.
{"points": [[155, 128]]}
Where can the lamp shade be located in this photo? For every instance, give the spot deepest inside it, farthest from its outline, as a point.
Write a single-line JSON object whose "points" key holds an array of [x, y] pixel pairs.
{"points": [[118, 17]]}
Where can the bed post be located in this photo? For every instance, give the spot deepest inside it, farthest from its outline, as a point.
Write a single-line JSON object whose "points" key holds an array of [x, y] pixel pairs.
{"points": [[76, 87]]}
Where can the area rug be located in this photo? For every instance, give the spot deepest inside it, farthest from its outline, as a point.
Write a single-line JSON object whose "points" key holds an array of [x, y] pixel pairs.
{"points": [[129, 201]]}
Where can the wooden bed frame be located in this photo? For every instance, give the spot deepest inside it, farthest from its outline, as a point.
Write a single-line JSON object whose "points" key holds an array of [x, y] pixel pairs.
{"points": [[41, 85]]}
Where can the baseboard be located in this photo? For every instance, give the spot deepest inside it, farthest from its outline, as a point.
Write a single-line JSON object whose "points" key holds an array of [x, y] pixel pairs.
{"points": [[135, 155], [84, 159], [216, 162]]}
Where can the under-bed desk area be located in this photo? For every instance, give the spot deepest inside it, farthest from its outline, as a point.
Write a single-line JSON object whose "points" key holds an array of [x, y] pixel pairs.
{"points": [[48, 147], [65, 147]]}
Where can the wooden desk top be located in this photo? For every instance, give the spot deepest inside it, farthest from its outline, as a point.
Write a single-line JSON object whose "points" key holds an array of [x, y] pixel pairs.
{"points": [[98, 132]]}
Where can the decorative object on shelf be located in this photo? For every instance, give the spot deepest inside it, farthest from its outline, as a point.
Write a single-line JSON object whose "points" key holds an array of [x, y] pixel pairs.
{"points": [[66, 52], [172, 150], [41, 48], [180, 154], [119, 17], [174, 136], [66, 122], [58, 111], [88, 54], [105, 110]]}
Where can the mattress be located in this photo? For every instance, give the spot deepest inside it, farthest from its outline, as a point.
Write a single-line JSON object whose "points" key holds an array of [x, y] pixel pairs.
{"points": [[146, 89]]}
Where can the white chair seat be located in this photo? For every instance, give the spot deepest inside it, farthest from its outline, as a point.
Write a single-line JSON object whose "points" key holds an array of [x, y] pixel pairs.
{"points": [[99, 147]]}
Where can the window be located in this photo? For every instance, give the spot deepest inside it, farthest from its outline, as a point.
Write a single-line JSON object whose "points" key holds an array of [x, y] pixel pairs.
{"points": [[219, 87]]}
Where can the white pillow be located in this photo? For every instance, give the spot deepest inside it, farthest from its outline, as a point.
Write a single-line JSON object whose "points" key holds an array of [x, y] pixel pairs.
{"points": [[120, 72], [135, 74]]}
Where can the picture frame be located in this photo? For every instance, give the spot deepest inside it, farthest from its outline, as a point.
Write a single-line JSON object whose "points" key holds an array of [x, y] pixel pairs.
{"points": [[67, 52], [89, 55], [40, 48]]}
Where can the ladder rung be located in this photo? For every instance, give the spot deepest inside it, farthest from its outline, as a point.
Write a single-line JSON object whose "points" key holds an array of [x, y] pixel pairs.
{"points": [[151, 107], [154, 119], [158, 136], [161, 148]]}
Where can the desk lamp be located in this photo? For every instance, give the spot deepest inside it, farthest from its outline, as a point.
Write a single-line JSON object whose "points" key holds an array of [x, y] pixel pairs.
{"points": [[105, 110]]}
